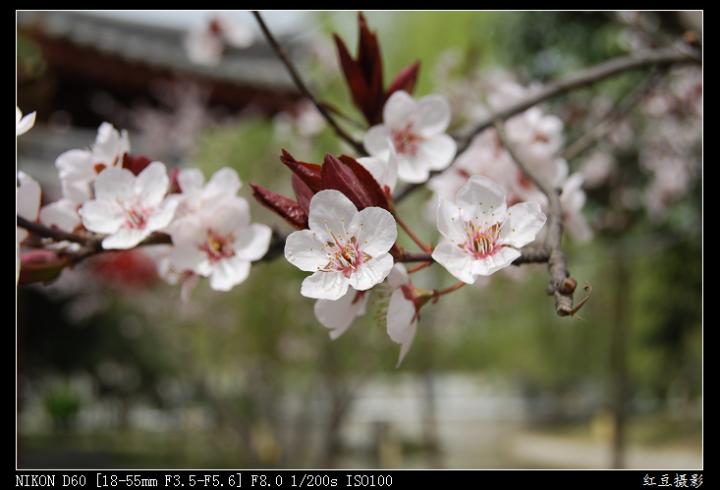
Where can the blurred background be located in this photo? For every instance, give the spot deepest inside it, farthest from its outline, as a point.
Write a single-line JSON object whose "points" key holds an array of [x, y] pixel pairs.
{"points": [[116, 371]]}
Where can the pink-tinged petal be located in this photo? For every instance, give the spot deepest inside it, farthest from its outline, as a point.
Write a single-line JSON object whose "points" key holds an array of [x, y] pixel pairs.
{"points": [[114, 183], [110, 145], [375, 230], [187, 286], [502, 258], [438, 151], [412, 170], [377, 140], [399, 109], [23, 124], [324, 285], [224, 181], [432, 116], [253, 243], [186, 256], [372, 272], [401, 322], [75, 164], [228, 273], [455, 260], [482, 199], [338, 315], [125, 238], [331, 214], [305, 251], [190, 180], [450, 221], [398, 276], [522, 224], [163, 215], [62, 214], [102, 216], [28, 197], [152, 184]]}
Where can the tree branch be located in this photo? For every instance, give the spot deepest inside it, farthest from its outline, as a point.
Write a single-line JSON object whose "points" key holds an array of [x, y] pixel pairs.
{"points": [[322, 108], [589, 76], [562, 286]]}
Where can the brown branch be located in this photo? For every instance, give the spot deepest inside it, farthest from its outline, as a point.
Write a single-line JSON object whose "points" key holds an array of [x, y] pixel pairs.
{"points": [[561, 284], [589, 76], [322, 108], [57, 235]]}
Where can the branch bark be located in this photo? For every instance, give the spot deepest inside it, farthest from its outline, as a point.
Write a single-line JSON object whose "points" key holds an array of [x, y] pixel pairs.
{"points": [[297, 79]]}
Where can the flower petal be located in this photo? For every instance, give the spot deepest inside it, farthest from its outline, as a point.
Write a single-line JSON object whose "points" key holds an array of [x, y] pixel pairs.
{"points": [[190, 180], [228, 273], [305, 251], [375, 229], [253, 242], [483, 200], [432, 115], [224, 181], [412, 170], [338, 315], [398, 276], [522, 224], [398, 109], [377, 140], [503, 257], [114, 183], [383, 169], [401, 322], [456, 261], [324, 285], [450, 221], [152, 183], [372, 272], [62, 214], [102, 216], [125, 238], [28, 197], [163, 215], [330, 214], [438, 151]]}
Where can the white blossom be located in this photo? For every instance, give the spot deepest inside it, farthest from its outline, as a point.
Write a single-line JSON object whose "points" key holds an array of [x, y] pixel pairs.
{"points": [[220, 242], [343, 247], [480, 234], [338, 315], [402, 316], [23, 124], [415, 131], [129, 208], [28, 204]]}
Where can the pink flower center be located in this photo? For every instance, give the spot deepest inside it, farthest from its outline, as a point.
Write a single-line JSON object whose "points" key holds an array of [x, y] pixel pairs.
{"points": [[406, 141], [218, 247], [344, 257], [481, 243], [136, 218]]}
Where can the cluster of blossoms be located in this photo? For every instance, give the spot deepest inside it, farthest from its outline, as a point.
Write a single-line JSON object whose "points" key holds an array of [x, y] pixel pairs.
{"points": [[125, 200]]}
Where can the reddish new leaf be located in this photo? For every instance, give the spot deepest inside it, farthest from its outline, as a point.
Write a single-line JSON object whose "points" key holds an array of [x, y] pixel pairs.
{"points": [[285, 207], [41, 266], [310, 173], [303, 193], [358, 85], [336, 175], [375, 192], [370, 62], [135, 163], [405, 80]]}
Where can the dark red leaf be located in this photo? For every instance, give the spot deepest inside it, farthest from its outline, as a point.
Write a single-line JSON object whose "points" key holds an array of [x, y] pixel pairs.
{"points": [[405, 80], [174, 183], [339, 176], [310, 173], [375, 192], [355, 78], [370, 61], [285, 207], [303, 193], [135, 163]]}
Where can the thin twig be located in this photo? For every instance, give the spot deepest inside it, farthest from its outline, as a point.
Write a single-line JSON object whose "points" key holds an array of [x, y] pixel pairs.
{"points": [[46, 232], [561, 284], [581, 79], [282, 54]]}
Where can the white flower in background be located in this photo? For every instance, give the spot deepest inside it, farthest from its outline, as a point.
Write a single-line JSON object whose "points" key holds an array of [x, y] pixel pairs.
{"points": [[343, 247], [62, 214], [28, 204], [480, 234], [205, 45], [339, 314], [197, 195], [129, 208], [597, 168], [572, 200], [220, 243], [415, 132], [402, 315], [23, 123], [79, 168], [162, 256]]}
